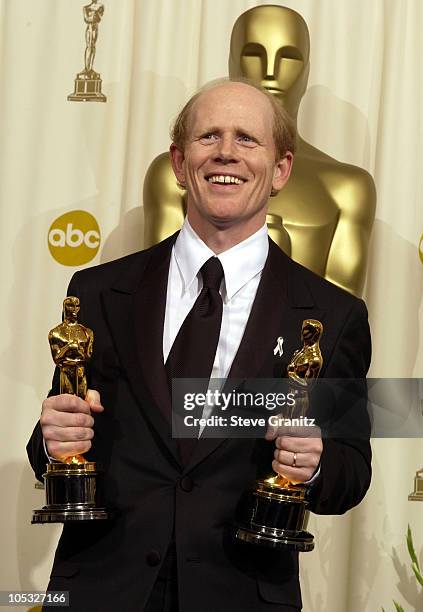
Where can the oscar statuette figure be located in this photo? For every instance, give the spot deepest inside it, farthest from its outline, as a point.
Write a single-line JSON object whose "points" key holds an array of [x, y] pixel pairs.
{"points": [[72, 484], [276, 514], [88, 82]]}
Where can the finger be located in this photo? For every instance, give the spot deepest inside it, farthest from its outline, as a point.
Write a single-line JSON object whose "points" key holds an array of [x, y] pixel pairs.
{"points": [[271, 432], [294, 475], [94, 400], [313, 431], [299, 445], [62, 450], [56, 418], [298, 432], [296, 460], [66, 403], [274, 430], [67, 434]]}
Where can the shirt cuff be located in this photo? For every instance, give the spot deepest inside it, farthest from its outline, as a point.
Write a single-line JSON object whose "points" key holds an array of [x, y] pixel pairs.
{"points": [[313, 478], [50, 459]]}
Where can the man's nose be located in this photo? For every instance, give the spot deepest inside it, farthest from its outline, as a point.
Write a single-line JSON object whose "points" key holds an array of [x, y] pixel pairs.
{"points": [[226, 149]]}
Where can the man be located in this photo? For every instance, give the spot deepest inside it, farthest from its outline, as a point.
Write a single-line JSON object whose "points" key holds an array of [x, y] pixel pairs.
{"points": [[168, 547]]}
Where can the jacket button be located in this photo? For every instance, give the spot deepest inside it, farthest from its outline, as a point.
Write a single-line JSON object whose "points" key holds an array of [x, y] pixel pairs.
{"points": [[186, 484], [153, 558]]}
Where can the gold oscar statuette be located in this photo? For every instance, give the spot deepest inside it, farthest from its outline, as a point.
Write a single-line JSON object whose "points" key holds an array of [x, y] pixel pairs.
{"points": [[72, 484], [417, 494], [276, 514], [88, 82]]}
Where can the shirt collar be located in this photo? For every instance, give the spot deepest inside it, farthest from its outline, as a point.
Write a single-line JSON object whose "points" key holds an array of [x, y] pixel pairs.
{"points": [[240, 263]]}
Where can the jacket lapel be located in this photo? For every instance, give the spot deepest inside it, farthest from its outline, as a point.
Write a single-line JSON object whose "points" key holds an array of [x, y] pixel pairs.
{"points": [[135, 308], [281, 304]]}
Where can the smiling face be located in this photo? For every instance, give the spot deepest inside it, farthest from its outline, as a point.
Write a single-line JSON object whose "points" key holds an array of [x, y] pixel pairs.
{"points": [[229, 164]]}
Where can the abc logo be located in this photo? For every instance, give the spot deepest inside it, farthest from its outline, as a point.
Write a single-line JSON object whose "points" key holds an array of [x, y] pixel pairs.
{"points": [[74, 238], [421, 248]]}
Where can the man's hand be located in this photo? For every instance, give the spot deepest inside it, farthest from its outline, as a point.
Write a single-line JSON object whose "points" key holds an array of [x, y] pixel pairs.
{"points": [[67, 424], [297, 453]]}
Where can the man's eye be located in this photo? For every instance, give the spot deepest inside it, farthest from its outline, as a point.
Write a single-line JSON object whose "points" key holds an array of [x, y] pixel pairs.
{"points": [[209, 137], [245, 139]]}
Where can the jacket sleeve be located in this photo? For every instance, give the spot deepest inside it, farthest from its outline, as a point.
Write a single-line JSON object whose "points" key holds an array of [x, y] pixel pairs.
{"points": [[345, 467]]}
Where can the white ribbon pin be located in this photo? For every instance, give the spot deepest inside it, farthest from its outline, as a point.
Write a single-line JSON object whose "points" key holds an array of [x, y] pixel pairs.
{"points": [[279, 347]]}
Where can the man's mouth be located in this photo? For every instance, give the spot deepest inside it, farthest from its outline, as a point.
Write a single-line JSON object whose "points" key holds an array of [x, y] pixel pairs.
{"points": [[225, 179]]}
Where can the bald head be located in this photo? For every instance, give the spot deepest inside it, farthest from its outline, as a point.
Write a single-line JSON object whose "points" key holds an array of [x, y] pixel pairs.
{"points": [[283, 129]]}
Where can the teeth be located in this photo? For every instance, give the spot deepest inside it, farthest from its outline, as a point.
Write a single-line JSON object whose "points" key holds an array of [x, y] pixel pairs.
{"points": [[220, 178]]}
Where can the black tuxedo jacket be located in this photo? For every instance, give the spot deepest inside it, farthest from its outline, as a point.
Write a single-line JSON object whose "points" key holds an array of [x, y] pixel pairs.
{"points": [[113, 565]]}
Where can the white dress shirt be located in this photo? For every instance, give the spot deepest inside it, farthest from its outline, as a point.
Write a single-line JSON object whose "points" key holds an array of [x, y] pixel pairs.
{"points": [[242, 266]]}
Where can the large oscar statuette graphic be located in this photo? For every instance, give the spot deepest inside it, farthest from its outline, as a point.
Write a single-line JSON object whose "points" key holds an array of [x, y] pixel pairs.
{"points": [[72, 485], [88, 82], [276, 515]]}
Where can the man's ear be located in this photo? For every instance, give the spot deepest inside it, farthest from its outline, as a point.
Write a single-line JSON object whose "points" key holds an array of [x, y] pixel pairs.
{"points": [[282, 172], [177, 158]]}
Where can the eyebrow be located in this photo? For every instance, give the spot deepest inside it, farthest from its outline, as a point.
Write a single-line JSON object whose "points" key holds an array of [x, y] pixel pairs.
{"points": [[238, 130]]}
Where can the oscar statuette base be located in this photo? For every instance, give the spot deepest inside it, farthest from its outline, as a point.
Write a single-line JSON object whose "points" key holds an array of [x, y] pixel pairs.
{"points": [[276, 516], [72, 494], [87, 88]]}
